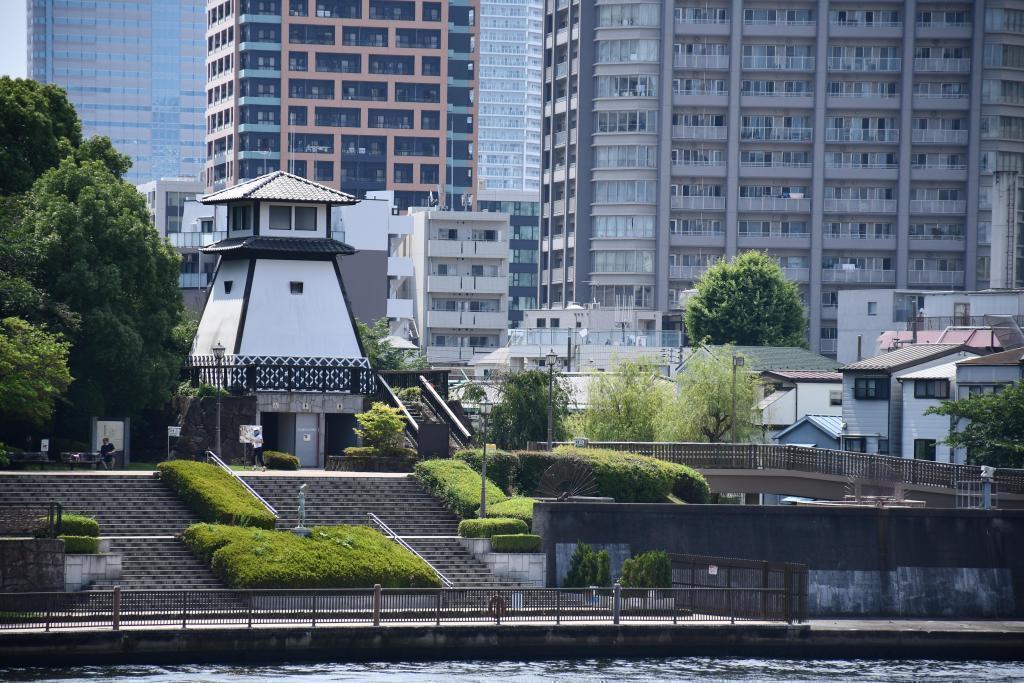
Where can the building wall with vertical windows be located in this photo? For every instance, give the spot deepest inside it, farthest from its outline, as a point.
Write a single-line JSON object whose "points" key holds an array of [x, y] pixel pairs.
{"points": [[856, 144], [133, 70]]}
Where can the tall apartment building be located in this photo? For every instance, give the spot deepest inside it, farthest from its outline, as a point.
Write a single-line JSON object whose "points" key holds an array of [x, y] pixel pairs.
{"points": [[134, 71], [855, 142], [357, 94]]}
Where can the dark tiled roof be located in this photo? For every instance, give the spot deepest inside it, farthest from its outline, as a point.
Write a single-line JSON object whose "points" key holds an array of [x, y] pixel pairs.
{"points": [[806, 375], [280, 186], [278, 245], [762, 358], [1010, 357], [906, 357]]}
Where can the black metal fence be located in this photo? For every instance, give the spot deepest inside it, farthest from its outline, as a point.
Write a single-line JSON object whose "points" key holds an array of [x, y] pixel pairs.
{"points": [[31, 519], [782, 587], [247, 608]]}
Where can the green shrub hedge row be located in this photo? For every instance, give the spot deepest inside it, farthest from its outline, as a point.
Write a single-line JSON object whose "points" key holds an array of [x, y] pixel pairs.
{"points": [[515, 543], [486, 528], [373, 451], [626, 477], [275, 460], [215, 495], [71, 524], [517, 507], [331, 557], [80, 545], [647, 570], [455, 484]]}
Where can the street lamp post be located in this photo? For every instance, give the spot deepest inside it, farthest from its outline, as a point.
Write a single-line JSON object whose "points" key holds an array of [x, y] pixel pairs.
{"points": [[218, 354], [551, 359], [485, 410], [737, 362]]}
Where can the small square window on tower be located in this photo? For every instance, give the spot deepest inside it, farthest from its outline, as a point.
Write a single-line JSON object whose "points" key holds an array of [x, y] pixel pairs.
{"points": [[295, 287], [228, 284]]}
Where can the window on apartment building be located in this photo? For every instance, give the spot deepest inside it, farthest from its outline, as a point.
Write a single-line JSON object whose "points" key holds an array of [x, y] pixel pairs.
{"points": [[835, 397], [883, 446], [295, 287], [924, 449], [871, 388], [931, 388], [855, 444], [872, 308]]}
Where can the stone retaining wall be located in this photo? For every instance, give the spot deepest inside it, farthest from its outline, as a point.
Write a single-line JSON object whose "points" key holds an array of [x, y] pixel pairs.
{"points": [[31, 564], [527, 569]]}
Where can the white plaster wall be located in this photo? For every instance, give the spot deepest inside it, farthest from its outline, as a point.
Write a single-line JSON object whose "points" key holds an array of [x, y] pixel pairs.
{"points": [[781, 411], [220, 317], [853, 319], [812, 398], [917, 425], [321, 222], [314, 323]]}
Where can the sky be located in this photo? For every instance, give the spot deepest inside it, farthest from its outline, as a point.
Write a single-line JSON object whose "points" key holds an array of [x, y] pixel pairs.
{"points": [[12, 38]]}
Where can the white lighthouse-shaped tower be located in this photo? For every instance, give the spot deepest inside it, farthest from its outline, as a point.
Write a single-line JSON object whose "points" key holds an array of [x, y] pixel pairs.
{"points": [[277, 322]]}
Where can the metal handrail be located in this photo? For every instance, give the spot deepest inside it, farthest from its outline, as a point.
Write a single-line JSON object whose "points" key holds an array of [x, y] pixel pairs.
{"points": [[210, 455], [465, 435], [390, 393], [400, 541]]}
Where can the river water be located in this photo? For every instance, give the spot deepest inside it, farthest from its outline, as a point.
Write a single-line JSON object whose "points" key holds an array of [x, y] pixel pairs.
{"points": [[653, 669]]}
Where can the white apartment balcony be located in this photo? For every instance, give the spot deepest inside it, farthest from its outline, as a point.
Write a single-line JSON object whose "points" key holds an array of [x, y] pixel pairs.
{"points": [[400, 308], [797, 274], [949, 278], [468, 284], [860, 276], [497, 320], [468, 248], [862, 135], [938, 206], [701, 61], [827, 347], [194, 240], [704, 26], [786, 204], [939, 29], [194, 280], [400, 266], [699, 203], [782, 63], [940, 65], [687, 272], [939, 136], [780, 134], [715, 169], [845, 233], [700, 132], [865, 64], [456, 354], [860, 206]]}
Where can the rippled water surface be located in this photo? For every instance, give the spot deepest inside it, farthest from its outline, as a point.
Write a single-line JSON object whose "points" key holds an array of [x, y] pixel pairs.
{"points": [[654, 669]]}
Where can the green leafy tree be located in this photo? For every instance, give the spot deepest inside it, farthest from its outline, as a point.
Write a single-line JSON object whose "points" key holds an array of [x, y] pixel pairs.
{"points": [[749, 302], [624, 404], [101, 258], [652, 569], [994, 433], [381, 354], [588, 567], [701, 409], [38, 127], [520, 414], [33, 371], [381, 427]]}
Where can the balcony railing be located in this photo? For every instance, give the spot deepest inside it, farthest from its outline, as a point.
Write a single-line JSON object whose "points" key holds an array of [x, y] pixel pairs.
{"points": [[764, 63], [701, 20], [797, 274], [775, 232], [940, 206], [701, 61], [860, 206], [862, 135], [700, 132], [752, 133], [826, 346], [779, 20], [953, 278], [859, 276], [687, 272], [847, 234], [699, 203], [194, 240], [865, 64], [801, 204], [866, 24], [939, 136], [941, 65]]}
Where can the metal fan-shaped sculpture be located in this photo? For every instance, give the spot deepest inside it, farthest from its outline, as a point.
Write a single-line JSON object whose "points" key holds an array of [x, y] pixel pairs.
{"points": [[567, 478]]}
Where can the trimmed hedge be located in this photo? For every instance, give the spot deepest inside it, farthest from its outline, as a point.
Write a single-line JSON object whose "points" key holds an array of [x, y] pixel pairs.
{"points": [[331, 557], [80, 545], [502, 466], [71, 524], [215, 495], [515, 543], [652, 569], [275, 460], [374, 452], [455, 484], [517, 507], [487, 528]]}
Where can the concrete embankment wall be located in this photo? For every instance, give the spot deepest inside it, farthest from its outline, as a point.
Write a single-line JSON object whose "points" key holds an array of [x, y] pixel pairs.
{"points": [[862, 561], [518, 641]]}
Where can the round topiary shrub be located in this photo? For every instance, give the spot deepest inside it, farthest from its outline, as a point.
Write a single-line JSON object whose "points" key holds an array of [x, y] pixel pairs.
{"points": [[275, 460], [690, 486], [487, 528], [80, 545], [647, 570]]}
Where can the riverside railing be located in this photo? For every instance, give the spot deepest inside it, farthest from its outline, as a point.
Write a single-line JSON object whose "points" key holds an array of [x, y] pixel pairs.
{"points": [[119, 609], [863, 466]]}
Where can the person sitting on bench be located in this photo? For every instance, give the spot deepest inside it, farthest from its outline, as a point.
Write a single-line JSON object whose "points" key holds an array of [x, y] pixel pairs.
{"points": [[107, 454]]}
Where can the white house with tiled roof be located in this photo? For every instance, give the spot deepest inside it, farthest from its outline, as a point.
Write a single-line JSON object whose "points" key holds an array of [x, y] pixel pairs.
{"points": [[277, 321], [924, 435]]}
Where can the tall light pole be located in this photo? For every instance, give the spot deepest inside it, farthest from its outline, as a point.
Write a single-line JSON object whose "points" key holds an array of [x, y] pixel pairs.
{"points": [[218, 354], [551, 359], [485, 410], [737, 362]]}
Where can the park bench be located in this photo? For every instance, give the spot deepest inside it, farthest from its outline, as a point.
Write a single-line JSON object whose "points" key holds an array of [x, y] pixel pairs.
{"points": [[24, 458], [73, 460]]}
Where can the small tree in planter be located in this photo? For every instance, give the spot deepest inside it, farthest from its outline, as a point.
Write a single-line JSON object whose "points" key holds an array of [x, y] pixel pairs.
{"points": [[381, 428]]}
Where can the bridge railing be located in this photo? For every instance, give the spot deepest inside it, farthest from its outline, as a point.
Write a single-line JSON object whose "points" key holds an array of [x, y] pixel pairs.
{"points": [[863, 466]]}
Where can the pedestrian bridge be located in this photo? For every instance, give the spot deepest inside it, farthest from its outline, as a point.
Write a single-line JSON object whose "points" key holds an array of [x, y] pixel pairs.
{"points": [[826, 474]]}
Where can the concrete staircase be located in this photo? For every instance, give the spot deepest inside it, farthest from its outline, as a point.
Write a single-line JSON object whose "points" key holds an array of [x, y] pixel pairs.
{"points": [[124, 505], [457, 564], [158, 564]]}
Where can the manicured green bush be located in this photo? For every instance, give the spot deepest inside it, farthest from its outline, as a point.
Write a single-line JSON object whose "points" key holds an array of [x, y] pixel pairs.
{"points": [[80, 545], [214, 494], [275, 460], [690, 485], [486, 528], [515, 543], [455, 484], [502, 466], [71, 524], [647, 570], [331, 557], [518, 507], [381, 426], [372, 452], [589, 568]]}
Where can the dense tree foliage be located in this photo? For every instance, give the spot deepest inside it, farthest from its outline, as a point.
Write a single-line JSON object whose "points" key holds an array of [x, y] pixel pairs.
{"points": [[33, 371], [38, 128], [994, 430], [747, 301], [379, 351], [624, 404], [520, 414]]}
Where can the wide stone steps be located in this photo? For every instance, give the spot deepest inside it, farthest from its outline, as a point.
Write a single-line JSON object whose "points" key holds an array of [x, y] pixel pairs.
{"points": [[455, 562], [158, 564]]}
